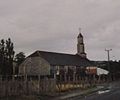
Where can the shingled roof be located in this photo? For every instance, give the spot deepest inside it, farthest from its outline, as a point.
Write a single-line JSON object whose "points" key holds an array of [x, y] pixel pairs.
{"points": [[61, 58]]}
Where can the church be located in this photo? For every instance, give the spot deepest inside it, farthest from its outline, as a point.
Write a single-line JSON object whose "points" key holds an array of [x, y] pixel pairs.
{"points": [[54, 64]]}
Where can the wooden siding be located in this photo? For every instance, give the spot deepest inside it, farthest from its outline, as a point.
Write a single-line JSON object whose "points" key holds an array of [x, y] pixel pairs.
{"points": [[35, 66]]}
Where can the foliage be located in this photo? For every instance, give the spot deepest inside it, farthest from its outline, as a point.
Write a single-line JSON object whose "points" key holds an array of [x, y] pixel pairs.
{"points": [[114, 66], [19, 58], [6, 57]]}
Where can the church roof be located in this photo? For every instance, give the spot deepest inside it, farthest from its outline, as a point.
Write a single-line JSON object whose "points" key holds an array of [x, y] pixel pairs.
{"points": [[61, 58]]}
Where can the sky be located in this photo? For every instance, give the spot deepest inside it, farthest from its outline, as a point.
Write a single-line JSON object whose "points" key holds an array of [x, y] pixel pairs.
{"points": [[53, 25]]}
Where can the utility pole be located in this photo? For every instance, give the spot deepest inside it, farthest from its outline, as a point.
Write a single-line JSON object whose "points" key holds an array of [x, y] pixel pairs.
{"points": [[0, 59], [108, 54]]}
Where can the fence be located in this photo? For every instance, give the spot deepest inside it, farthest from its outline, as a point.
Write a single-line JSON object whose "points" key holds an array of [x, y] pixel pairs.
{"points": [[26, 87], [29, 85]]}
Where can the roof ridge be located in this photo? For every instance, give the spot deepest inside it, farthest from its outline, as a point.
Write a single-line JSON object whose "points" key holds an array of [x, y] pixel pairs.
{"points": [[56, 53]]}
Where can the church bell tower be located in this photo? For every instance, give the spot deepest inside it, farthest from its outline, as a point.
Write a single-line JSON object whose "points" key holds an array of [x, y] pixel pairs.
{"points": [[80, 46]]}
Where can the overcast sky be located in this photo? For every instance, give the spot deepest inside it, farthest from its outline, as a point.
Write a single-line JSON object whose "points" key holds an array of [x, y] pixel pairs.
{"points": [[52, 25]]}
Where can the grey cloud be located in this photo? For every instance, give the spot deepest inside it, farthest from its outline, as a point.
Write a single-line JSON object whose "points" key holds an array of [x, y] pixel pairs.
{"points": [[52, 25]]}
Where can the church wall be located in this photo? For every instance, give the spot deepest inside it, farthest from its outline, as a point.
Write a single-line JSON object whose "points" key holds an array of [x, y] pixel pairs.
{"points": [[35, 66]]}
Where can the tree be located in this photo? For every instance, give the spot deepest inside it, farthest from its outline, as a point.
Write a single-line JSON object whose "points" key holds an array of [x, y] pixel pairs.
{"points": [[19, 58], [2, 55], [6, 57]]}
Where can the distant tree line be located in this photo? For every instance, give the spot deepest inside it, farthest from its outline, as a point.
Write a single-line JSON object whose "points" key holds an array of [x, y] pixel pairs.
{"points": [[8, 59], [113, 67]]}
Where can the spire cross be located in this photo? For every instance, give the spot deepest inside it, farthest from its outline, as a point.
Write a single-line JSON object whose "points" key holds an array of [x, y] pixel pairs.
{"points": [[79, 30]]}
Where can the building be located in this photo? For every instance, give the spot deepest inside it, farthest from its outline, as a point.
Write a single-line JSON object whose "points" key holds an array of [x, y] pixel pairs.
{"points": [[44, 63], [96, 71]]}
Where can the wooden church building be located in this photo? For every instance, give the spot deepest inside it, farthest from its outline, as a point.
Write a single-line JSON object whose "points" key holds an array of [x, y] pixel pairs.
{"points": [[54, 64]]}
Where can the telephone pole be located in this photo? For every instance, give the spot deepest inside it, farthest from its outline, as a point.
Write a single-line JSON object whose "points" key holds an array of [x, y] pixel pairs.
{"points": [[108, 54]]}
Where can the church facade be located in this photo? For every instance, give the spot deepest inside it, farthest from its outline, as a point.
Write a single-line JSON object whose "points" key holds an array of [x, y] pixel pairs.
{"points": [[57, 64]]}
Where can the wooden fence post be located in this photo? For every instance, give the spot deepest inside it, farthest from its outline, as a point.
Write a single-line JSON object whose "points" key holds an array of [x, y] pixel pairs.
{"points": [[26, 83], [39, 83]]}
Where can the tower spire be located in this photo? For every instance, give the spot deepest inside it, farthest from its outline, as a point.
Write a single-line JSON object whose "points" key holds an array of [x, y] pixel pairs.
{"points": [[80, 34], [80, 45]]}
